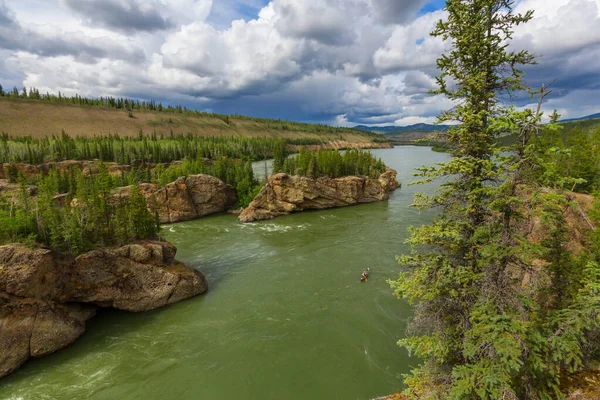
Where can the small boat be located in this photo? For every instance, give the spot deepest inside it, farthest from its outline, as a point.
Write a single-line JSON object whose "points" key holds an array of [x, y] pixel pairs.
{"points": [[365, 275]]}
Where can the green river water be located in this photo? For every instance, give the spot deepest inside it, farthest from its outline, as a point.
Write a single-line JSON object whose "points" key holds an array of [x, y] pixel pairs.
{"points": [[285, 316]]}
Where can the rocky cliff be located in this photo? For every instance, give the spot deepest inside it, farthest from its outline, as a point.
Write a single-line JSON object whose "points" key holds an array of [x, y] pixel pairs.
{"points": [[283, 194], [46, 298], [187, 198]]}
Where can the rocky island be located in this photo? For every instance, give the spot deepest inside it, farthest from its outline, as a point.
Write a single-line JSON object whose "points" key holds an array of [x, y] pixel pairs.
{"points": [[283, 194]]}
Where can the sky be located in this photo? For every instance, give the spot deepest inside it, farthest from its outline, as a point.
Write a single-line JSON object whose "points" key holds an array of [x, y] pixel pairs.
{"points": [[340, 62]]}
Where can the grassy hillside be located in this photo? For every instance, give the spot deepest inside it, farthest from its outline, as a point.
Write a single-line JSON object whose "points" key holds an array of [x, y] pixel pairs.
{"points": [[22, 117]]}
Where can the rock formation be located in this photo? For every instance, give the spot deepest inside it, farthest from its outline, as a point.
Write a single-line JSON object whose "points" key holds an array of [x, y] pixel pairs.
{"points": [[284, 194], [45, 298], [187, 198]]}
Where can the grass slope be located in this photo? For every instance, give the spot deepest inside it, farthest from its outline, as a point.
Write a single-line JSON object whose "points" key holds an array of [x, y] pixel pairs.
{"points": [[20, 117]]}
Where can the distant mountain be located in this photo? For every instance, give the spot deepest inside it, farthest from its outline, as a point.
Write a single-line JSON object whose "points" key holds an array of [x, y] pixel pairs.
{"points": [[593, 116], [388, 130], [377, 129]]}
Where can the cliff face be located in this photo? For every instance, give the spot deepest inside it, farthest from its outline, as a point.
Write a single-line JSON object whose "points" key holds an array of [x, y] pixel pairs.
{"points": [[283, 194], [187, 198], [46, 298]]}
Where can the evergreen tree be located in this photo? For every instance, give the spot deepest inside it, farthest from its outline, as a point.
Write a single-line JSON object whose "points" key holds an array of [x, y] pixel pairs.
{"points": [[480, 331]]}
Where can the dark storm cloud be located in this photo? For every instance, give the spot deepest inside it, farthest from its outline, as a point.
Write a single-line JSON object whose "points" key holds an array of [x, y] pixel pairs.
{"points": [[326, 22], [124, 15], [417, 82], [5, 17], [14, 37], [396, 11]]}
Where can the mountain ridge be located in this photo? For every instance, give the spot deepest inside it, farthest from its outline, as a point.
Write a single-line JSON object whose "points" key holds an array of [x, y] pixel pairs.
{"points": [[423, 128]]}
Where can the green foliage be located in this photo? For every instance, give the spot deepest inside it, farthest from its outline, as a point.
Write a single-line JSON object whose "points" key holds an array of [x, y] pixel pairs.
{"points": [[331, 163], [497, 315], [570, 158], [85, 217], [149, 149]]}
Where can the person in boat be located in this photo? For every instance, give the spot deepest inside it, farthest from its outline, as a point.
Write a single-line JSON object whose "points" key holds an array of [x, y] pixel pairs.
{"points": [[365, 275]]}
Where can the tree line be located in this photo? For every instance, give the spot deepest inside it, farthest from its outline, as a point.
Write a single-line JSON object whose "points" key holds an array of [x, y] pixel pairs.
{"points": [[142, 148]]}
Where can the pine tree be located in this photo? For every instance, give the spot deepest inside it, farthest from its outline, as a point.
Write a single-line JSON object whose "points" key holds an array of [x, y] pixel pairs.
{"points": [[478, 330]]}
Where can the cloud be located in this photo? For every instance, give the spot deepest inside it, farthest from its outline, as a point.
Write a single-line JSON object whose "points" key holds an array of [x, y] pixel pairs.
{"points": [[565, 37], [396, 11], [6, 17], [336, 61], [560, 27], [52, 42], [325, 21], [410, 46], [122, 15], [418, 82], [248, 58], [223, 12]]}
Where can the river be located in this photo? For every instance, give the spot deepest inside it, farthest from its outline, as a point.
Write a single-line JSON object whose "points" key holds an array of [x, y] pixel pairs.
{"points": [[285, 316]]}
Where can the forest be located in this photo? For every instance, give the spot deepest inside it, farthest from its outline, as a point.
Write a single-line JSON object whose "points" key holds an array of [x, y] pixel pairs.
{"points": [[570, 157], [142, 149], [75, 211], [88, 217], [329, 163]]}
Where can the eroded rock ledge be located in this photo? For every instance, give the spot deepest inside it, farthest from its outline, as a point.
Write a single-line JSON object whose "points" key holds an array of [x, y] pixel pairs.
{"points": [[283, 194], [46, 298]]}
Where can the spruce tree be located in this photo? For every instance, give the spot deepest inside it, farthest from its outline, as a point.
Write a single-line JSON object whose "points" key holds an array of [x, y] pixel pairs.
{"points": [[481, 331]]}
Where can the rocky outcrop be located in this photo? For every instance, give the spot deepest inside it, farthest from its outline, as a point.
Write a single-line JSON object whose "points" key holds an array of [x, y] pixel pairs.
{"points": [[187, 198], [46, 298], [283, 194]]}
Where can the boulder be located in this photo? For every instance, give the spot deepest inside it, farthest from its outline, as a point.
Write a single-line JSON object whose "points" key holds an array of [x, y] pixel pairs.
{"points": [[187, 198], [283, 194], [209, 194], [137, 277], [46, 298]]}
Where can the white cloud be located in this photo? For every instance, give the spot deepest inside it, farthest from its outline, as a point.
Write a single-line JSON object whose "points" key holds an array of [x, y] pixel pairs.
{"points": [[559, 27], [411, 46]]}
